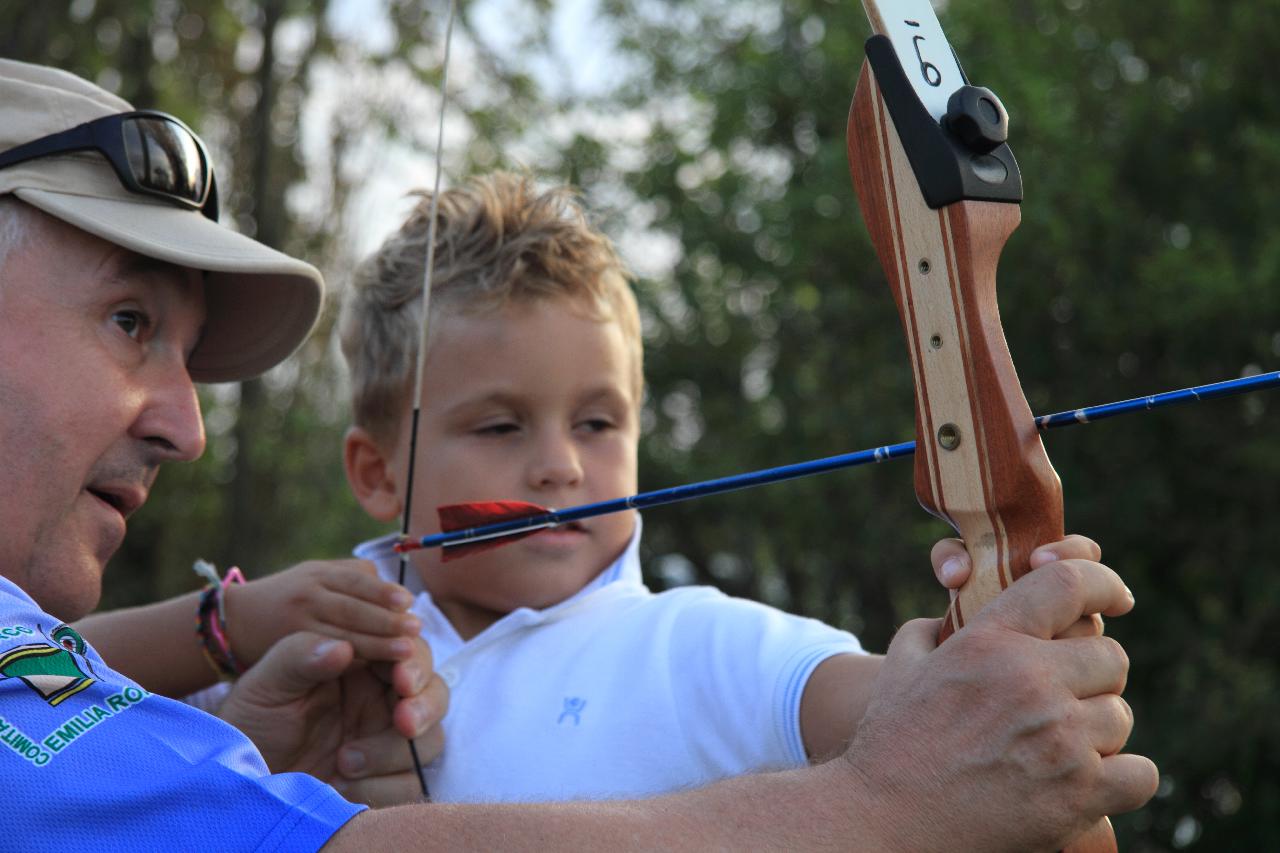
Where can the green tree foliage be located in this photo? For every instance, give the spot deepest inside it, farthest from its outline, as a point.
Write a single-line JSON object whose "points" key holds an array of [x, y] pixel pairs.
{"points": [[1146, 261]]}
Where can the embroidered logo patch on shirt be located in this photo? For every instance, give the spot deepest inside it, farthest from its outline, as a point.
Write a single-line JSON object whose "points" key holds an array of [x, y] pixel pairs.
{"points": [[55, 669], [55, 666]]}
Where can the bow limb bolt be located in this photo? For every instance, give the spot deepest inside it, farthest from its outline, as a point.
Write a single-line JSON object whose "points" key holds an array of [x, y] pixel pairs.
{"points": [[939, 191]]}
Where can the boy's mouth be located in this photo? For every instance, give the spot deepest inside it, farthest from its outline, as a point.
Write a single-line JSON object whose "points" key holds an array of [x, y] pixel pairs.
{"points": [[573, 526], [562, 533]]}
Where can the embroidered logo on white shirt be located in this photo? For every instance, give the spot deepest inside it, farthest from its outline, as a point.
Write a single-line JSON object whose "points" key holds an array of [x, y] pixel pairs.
{"points": [[573, 706]]}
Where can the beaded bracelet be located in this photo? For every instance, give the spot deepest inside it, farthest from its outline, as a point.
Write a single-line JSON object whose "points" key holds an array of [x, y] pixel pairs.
{"points": [[211, 620]]}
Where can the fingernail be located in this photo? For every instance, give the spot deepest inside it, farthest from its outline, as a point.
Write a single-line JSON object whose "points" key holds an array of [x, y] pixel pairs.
{"points": [[351, 761], [323, 648], [402, 647], [411, 625], [952, 569], [414, 674], [1129, 593], [401, 599], [421, 714]]}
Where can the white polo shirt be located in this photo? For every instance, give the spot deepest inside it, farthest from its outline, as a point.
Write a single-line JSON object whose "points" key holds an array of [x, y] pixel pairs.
{"points": [[618, 692]]}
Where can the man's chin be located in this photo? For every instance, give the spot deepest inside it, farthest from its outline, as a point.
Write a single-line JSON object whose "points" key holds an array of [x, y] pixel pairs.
{"points": [[70, 594]]}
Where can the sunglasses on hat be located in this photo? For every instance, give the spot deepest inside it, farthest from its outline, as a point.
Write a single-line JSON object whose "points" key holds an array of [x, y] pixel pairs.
{"points": [[152, 153]]}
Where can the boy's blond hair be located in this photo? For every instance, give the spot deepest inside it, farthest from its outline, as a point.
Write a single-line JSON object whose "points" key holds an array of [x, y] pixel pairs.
{"points": [[498, 241]]}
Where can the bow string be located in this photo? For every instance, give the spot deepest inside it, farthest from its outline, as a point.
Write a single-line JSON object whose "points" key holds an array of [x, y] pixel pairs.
{"points": [[420, 368]]}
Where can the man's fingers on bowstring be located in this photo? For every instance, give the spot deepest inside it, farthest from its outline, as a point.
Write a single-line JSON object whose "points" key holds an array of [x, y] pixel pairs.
{"points": [[951, 565], [387, 753], [294, 666], [382, 791], [415, 715], [418, 695], [1048, 601], [409, 675]]}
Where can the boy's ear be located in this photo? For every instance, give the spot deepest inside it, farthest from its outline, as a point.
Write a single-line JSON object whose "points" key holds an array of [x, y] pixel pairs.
{"points": [[371, 475]]}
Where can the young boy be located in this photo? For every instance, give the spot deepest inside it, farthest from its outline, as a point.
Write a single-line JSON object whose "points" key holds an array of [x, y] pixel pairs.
{"points": [[556, 654]]}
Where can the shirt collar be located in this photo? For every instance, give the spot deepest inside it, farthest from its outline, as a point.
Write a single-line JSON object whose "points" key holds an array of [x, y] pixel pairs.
{"points": [[445, 642]]}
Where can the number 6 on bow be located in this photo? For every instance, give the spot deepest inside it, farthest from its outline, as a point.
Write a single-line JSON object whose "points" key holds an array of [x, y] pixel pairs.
{"points": [[939, 191]]}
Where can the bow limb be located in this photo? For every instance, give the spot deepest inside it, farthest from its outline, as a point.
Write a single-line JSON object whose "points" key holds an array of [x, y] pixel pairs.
{"points": [[939, 192]]}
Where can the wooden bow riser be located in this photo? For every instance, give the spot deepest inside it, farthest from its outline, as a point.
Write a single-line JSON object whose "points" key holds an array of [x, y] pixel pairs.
{"points": [[982, 468], [980, 465]]}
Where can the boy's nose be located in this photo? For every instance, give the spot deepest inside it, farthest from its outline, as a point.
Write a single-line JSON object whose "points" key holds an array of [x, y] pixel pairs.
{"points": [[556, 464]]}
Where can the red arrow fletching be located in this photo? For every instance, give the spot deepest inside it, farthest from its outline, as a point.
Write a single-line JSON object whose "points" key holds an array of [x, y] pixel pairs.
{"points": [[462, 516]]}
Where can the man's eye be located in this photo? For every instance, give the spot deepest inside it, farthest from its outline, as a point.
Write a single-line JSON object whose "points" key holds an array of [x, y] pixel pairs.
{"points": [[132, 323]]}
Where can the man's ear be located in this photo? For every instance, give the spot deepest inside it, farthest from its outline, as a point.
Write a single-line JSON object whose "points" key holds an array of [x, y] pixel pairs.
{"points": [[371, 475]]}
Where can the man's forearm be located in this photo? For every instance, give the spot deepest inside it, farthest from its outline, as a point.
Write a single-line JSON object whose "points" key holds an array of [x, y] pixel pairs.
{"points": [[155, 645], [813, 809]]}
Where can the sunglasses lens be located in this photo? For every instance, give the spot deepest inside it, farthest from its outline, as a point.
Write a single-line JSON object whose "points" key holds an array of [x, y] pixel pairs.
{"points": [[165, 158]]}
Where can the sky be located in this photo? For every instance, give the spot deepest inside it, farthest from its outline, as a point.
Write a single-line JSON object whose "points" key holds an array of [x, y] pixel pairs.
{"points": [[579, 40]]}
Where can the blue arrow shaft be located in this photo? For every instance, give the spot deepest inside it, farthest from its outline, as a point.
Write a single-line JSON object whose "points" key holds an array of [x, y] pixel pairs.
{"points": [[733, 483], [1170, 398]]}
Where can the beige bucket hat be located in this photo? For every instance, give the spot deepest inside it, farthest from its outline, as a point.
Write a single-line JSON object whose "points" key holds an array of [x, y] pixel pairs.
{"points": [[261, 304]]}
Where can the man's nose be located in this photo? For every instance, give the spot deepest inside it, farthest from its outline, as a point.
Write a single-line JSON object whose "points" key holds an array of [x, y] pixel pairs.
{"points": [[170, 421]]}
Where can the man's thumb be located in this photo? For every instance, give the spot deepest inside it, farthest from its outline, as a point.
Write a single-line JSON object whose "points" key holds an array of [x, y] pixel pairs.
{"points": [[294, 666]]}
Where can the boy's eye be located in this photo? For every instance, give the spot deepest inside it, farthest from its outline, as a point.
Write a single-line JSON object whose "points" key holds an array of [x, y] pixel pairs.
{"points": [[597, 424], [131, 321], [503, 428]]}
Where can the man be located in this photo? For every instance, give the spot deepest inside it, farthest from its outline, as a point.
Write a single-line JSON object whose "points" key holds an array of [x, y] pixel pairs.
{"points": [[117, 290]]}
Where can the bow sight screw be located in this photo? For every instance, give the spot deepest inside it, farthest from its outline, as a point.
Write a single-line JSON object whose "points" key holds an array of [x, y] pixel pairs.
{"points": [[935, 342], [949, 436], [925, 266], [977, 118]]}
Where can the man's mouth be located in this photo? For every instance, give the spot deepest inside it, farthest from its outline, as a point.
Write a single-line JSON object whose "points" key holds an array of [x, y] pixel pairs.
{"points": [[124, 499]]}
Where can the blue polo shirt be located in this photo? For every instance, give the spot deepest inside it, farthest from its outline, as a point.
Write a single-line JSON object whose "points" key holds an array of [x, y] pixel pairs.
{"points": [[92, 761]]}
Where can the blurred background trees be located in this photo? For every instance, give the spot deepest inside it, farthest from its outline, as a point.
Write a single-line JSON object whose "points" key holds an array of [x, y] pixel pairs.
{"points": [[710, 142]]}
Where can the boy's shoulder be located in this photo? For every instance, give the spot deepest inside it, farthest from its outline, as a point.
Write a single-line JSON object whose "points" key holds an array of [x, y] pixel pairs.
{"points": [[709, 610], [705, 619]]}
